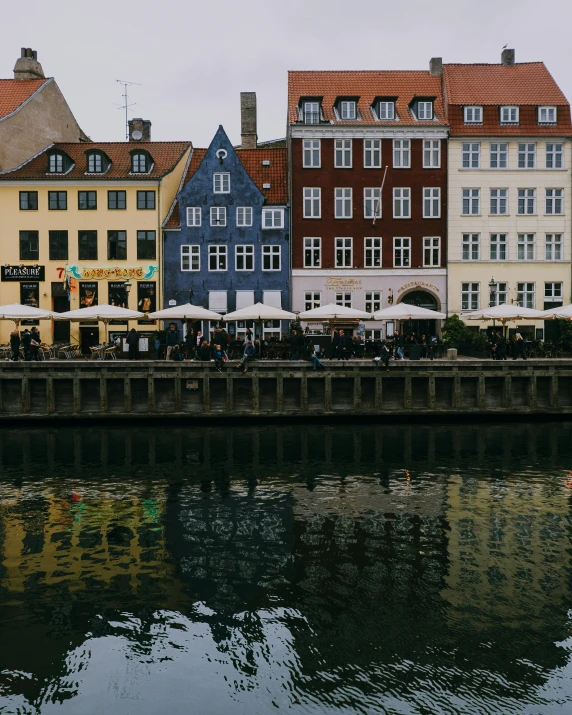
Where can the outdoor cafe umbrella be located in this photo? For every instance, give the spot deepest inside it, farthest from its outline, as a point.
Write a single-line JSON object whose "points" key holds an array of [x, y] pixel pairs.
{"points": [[185, 312], [103, 313], [404, 311], [18, 312], [260, 312], [332, 311], [505, 312], [562, 311]]}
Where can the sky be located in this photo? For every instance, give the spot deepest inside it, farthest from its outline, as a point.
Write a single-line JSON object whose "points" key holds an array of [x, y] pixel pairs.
{"points": [[192, 59]]}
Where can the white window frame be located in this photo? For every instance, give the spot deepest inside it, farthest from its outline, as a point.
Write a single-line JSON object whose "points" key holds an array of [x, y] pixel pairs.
{"points": [[389, 107], [190, 253], [431, 153], [348, 107], [218, 216], [524, 292], [553, 295], [471, 155], [372, 301], [246, 219], [94, 164], [509, 114], [402, 153], [344, 298], [56, 164], [401, 202], [471, 202], [343, 203], [372, 202], [344, 252], [314, 245], [554, 202], [424, 111], [311, 154], [401, 251], [526, 200], [431, 202], [372, 252], [372, 153], [471, 247], [498, 246], [343, 153], [499, 155], [311, 109], [547, 111], [526, 247], [498, 201], [218, 251], [312, 299], [221, 182], [312, 202], [470, 296], [244, 251], [194, 216], [526, 155], [499, 294], [274, 215], [473, 114], [554, 155], [431, 251], [553, 247], [269, 253]]}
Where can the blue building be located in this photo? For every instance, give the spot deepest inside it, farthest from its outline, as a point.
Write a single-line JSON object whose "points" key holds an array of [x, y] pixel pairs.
{"points": [[226, 237]]}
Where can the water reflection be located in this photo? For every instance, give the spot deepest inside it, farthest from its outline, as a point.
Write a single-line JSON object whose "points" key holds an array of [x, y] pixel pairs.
{"points": [[311, 569]]}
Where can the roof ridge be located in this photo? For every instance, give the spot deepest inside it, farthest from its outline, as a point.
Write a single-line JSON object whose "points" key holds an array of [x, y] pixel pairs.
{"points": [[356, 71], [491, 64]]}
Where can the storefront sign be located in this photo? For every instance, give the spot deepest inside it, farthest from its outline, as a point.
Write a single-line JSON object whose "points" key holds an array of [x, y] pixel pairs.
{"points": [[146, 297], [29, 295], [96, 273], [117, 295], [87, 294], [418, 284], [334, 282], [22, 273]]}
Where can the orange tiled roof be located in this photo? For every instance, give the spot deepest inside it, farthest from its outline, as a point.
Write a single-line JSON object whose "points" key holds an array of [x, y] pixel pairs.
{"points": [[14, 92], [165, 156], [367, 85]]}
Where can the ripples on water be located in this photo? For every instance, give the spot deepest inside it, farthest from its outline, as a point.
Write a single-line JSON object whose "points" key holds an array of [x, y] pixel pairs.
{"points": [[308, 569]]}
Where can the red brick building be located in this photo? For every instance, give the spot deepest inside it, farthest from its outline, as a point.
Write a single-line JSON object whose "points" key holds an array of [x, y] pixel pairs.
{"points": [[354, 242]]}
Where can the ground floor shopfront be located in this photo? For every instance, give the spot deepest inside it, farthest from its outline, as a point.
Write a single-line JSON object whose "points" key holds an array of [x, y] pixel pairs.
{"points": [[372, 290]]}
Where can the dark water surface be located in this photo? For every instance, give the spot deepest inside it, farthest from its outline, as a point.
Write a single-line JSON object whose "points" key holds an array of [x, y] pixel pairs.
{"points": [[304, 569]]}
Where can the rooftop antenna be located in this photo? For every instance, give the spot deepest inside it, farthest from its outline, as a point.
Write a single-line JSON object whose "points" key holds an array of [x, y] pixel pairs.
{"points": [[126, 105]]}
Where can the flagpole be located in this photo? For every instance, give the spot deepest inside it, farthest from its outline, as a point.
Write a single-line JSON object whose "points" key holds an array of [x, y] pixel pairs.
{"points": [[380, 195]]}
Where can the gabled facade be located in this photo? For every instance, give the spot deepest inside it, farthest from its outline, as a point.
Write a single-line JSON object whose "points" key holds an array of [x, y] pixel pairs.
{"points": [[368, 167], [510, 155], [226, 238]]}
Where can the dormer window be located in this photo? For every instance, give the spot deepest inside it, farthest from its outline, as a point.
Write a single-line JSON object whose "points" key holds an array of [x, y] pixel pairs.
{"points": [[386, 110], [473, 115], [59, 163], [509, 115], [97, 163], [311, 112], [547, 115], [424, 111], [140, 162], [348, 109]]}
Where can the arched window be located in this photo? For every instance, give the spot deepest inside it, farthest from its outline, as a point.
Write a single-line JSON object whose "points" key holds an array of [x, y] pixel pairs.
{"points": [[97, 162], [58, 162], [140, 162]]}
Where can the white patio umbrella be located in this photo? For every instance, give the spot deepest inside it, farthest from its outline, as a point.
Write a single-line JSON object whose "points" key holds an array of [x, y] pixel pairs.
{"points": [[185, 312], [332, 312], [504, 312], [404, 311], [103, 313], [563, 311], [18, 312], [259, 312]]}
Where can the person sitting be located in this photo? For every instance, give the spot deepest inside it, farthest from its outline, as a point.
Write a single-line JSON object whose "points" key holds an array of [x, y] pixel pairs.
{"points": [[205, 351], [316, 364], [248, 355], [518, 347], [219, 358], [176, 353], [385, 355]]}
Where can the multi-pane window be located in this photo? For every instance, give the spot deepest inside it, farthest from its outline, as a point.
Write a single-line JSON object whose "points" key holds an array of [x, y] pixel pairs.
{"points": [[190, 258], [498, 244], [139, 164], [526, 201], [312, 299], [431, 153], [470, 296], [312, 202], [498, 294], [94, 164], [311, 153], [244, 258], [372, 301], [87, 245], [499, 202], [146, 245], [526, 155], [87, 200], [56, 163], [145, 199], [343, 252], [372, 202], [218, 215], [244, 215], [344, 299], [57, 200], [553, 156], [471, 246], [221, 183], [343, 203], [554, 201], [471, 155], [432, 202], [311, 112], [401, 203], [424, 110], [29, 246], [553, 247], [312, 252], [348, 109], [386, 110], [270, 258], [217, 257], [193, 216], [547, 115], [58, 245], [525, 246], [401, 252], [431, 251], [553, 292], [509, 115], [498, 155], [372, 252], [471, 202], [116, 200], [473, 115], [372, 153], [117, 245], [401, 153], [272, 218], [343, 154], [28, 200], [525, 295]]}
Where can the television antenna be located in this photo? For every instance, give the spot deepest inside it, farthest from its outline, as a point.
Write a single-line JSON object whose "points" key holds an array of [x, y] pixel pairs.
{"points": [[126, 104]]}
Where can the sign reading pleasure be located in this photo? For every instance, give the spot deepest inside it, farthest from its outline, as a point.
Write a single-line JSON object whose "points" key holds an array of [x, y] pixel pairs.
{"points": [[23, 273]]}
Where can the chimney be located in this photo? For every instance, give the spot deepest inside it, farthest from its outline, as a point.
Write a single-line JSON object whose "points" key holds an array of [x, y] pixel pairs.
{"points": [[507, 58], [248, 120], [139, 130], [27, 65], [436, 66]]}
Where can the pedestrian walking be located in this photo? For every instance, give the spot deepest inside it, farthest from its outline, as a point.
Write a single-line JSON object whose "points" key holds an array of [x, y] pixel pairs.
{"points": [[518, 347], [15, 344], [172, 339], [132, 341]]}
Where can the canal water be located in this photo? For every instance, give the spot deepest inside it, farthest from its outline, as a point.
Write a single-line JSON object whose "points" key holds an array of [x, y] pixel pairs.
{"points": [[320, 569]]}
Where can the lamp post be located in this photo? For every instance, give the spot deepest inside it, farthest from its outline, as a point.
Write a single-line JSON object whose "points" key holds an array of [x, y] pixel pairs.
{"points": [[492, 292], [127, 285]]}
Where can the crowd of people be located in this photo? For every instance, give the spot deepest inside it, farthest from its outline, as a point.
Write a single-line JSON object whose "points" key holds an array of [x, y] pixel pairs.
{"points": [[498, 346], [28, 342]]}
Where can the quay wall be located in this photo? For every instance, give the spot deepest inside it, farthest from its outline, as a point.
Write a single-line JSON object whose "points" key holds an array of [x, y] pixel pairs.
{"points": [[277, 389]]}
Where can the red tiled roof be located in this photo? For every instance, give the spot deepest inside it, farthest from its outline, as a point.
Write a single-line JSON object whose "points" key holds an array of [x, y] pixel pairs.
{"points": [[14, 92], [519, 84], [165, 157], [367, 85]]}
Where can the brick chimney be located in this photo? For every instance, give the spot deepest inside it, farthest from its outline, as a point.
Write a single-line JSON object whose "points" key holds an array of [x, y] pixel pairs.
{"points": [[507, 58], [27, 65], [248, 120], [436, 66], [139, 130]]}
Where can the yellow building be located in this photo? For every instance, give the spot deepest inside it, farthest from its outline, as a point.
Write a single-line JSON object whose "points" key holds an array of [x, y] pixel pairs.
{"points": [[81, 226]]}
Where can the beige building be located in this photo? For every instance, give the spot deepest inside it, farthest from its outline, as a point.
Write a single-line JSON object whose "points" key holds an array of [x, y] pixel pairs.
{"points": [[509, 188], [33, 113]]}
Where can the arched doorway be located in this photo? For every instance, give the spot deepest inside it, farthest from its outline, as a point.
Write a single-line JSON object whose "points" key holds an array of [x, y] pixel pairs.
{"points": [[422, 299]]}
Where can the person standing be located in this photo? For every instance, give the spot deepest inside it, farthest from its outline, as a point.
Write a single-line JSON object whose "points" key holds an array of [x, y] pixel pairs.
{"points": [[335, 344], [500, 349], [385, 355], [132, 341], [26, 340], [35, 343], [399, 342], [15, 344], [518, 347], [294, 346], [493, 344], [172, 339]]}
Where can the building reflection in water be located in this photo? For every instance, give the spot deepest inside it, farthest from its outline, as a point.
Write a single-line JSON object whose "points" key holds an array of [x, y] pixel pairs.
{"points": [[321, 568]]}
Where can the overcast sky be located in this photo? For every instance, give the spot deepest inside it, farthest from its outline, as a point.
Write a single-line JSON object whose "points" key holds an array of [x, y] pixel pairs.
{"points": [[194, 58]]}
